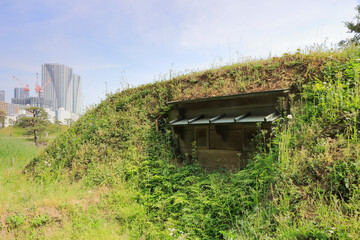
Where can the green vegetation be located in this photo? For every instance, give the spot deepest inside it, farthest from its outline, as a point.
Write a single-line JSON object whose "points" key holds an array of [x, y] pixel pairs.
{"points": [[112, 175], [353, 27], [12, 131], [15, 151], [2, 118], [16, 131], [29, 209], [36, 125]]}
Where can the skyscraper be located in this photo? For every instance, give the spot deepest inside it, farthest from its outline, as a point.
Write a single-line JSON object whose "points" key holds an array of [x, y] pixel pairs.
{"points": [[2, 95], [20, 93], [76, 103], [63, 87]]}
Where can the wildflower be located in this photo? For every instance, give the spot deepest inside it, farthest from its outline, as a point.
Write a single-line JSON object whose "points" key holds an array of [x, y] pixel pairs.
{"points": [[289, 116], [172, 231]]}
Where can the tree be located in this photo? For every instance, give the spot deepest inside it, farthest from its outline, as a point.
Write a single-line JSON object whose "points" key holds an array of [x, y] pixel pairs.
{"points": [[59, 124], [37, 124], [2, 119], [353, 27], [69, 121]]}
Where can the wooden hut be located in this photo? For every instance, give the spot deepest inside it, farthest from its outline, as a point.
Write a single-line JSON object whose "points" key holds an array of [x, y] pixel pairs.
{"points": [[221, 129]]}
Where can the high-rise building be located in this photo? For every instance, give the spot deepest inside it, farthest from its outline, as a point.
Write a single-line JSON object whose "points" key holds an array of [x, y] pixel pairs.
{"points": [[76, 103], [63, 87], [20, 93], [32, 101], [2, 95]]}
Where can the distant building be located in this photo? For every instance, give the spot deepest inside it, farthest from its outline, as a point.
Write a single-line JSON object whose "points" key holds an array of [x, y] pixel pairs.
{"points": [[63, 87], [20, 93], [14, 109], [32, 101], [51, 115], [59, 94], [3, 107], [2, 95], [77, 93], [65, 116], [10, 109]]}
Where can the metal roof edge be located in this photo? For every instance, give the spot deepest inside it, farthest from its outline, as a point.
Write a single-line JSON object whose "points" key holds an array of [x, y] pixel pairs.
{"points": [[239, 95], [230, 120]]}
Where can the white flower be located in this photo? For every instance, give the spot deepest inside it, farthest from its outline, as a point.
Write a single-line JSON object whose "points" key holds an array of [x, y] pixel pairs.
{"points": [[172, 231], [289, 116]]}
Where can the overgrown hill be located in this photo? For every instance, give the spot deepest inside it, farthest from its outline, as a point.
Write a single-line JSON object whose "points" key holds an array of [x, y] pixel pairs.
{"points": [[304, 184]]}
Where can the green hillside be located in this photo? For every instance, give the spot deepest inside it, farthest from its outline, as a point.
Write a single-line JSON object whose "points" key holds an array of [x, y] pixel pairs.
{"points": [[303, 184]]}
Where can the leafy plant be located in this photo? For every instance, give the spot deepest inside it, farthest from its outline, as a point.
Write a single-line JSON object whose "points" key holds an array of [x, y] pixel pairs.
{"points": [[15, 220], [40, 220]]}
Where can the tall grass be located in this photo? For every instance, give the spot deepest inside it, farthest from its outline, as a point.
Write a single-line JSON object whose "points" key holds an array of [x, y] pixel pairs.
{"points": [[16, 152], [316, 195], [56, 210]]}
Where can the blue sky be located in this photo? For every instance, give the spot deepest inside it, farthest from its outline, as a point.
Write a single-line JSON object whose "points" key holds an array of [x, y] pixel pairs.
{"points": [[109, 42]]}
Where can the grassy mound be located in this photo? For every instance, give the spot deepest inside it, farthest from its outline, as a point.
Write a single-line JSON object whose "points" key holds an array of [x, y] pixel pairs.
{"points": [[304, 184]]}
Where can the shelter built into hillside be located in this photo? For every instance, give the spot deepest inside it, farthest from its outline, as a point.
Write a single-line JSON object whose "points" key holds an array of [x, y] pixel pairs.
{"points": [[221, 129]]}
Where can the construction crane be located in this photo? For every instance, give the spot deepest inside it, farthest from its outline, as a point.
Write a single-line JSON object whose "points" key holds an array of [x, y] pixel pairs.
{"points": [[26, 88], [39, 89]]}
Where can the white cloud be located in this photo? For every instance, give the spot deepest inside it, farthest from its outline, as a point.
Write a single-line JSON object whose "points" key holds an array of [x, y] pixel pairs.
{"points": [[217, 22]]}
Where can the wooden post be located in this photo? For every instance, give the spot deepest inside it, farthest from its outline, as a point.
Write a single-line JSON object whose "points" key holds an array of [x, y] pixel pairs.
{"points": [[157, 125]]}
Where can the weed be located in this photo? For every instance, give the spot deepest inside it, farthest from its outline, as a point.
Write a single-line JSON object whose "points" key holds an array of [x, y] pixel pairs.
{"points": [[15, 220], [40, 220]]}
